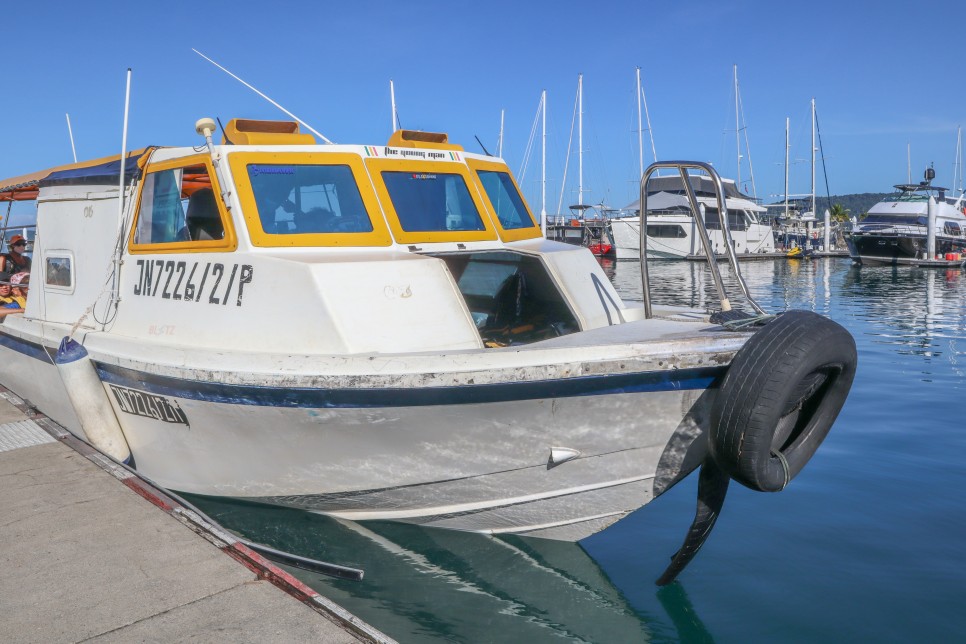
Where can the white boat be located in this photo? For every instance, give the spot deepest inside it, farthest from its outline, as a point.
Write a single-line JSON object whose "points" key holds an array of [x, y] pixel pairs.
{"points": [[671, 229], [382, 332], [918, 222]]}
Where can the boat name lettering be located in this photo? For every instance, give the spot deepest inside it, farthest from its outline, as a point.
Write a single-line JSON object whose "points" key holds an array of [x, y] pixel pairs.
{"points": [[418, 154], [256, 170], [139, 403], [175, 280]]}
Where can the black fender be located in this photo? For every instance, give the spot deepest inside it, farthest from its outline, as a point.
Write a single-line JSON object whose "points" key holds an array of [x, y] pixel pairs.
{"points": [[774, 407], [779, 398]]}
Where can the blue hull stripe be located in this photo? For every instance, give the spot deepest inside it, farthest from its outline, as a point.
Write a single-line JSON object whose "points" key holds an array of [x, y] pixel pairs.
{"points": [[25, 347], [655, 381]]}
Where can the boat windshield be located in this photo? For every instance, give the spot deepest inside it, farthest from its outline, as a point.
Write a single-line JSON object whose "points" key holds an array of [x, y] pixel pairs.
{"points": [[895, 220], [296, 199], [432, 202], [907, 196], [506, 200]]}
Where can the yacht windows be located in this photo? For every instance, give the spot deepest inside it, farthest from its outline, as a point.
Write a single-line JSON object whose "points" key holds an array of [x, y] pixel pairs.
{"points": [[298, 199], [895, 220], [666, 231], [432, 202], [952, 228], [736, 220], [507, 202], [179, 207]]}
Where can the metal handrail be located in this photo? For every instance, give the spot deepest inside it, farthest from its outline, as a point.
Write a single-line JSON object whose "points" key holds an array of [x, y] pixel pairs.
{"points": [[696, 212]]}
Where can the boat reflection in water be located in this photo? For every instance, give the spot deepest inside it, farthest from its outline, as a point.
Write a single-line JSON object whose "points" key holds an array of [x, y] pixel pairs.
{"points": [[428, 584]]}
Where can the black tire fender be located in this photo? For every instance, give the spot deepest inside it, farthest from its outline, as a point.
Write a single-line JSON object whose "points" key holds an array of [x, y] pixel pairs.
{"points": [[779, 398]]}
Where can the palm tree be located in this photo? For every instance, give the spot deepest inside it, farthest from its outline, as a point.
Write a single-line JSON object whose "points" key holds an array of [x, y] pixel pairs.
{"points": [[838, 212]]}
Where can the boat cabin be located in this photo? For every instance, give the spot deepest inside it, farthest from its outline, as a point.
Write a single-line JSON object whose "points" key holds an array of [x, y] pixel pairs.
{"points": [[417, 245]]}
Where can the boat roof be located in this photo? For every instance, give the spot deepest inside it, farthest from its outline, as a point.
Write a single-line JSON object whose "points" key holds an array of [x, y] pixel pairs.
{"points": [[96, 171], [913, 187]]}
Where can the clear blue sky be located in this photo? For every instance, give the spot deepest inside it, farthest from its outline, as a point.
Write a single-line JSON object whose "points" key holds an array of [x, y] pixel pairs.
{"points": [[884, 75]]}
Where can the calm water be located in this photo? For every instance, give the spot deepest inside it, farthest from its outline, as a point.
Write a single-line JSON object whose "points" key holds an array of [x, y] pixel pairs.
{"points": [[868, 543]]}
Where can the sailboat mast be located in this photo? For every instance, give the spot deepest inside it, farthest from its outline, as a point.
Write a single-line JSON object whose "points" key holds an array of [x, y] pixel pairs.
{"points": [[543, 165], [640, 133], [786, 167], [908, 162], [737, 127], [580, 139], [813, 158]]}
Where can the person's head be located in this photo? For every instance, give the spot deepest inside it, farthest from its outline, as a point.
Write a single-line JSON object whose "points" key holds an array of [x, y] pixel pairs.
{"points": [[17, 244], [5, 288], [21, 281]]}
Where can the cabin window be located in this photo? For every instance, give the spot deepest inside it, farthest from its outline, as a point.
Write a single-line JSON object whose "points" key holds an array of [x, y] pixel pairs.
{"points": [[952, 228], [506, 200], [512, 297], [299, 199], [58, 272], [666, 231], [432, 202], [179, 204]]}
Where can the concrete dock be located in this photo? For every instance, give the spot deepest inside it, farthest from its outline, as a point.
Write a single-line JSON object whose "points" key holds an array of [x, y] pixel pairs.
{"points": [[91, 555]]}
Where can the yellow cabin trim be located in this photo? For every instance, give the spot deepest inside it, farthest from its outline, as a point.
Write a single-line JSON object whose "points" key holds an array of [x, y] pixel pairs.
{"points": [[252, 132], [513, 234], [228, 244], [239, 162], [377, 166], [417, 139]]}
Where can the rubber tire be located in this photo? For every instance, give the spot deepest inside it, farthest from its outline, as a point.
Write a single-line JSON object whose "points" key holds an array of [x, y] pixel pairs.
{"points": [[781, 394]]}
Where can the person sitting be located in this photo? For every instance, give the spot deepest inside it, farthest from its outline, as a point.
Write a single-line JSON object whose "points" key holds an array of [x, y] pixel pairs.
{"points": [[14, 261], [13, 294]]}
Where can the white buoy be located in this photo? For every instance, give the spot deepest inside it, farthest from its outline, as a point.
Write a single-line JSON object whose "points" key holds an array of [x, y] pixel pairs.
{"points": [[90, 402]]}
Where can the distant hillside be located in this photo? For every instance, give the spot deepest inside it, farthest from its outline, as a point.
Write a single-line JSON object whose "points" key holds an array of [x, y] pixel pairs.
{"points": [[856, 204]]}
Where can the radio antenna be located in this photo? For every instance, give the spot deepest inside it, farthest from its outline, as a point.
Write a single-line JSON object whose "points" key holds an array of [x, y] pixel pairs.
{"points": [[71, 133], [309, 127]]}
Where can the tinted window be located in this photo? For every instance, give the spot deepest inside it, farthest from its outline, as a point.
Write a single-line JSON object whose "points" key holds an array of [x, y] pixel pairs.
{"points": [[297, 199], [509, 206], [432, 202]]}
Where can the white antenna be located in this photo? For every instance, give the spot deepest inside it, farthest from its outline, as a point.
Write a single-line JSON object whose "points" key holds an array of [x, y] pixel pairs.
{"points": [[70, 132], [309, 127], [908, 162], [499, 144], [127, 105], [392, 100]]}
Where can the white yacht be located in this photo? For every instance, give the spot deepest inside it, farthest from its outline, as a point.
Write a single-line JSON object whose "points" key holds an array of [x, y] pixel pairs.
{"points": [[897, 230], [671, 230]]}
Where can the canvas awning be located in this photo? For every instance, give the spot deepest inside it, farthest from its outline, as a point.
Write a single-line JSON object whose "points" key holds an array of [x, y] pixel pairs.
{"points": [[97, 171]]}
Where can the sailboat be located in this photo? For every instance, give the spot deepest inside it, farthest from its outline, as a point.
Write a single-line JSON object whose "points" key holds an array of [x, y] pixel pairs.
{"points": [[671, 230]]}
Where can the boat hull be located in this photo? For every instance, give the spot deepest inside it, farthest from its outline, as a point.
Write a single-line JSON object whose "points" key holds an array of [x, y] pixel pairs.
{"points": [[466, 456], [866, 248]]}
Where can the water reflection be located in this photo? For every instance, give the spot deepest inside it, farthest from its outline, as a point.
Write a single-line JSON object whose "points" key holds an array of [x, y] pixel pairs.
{"points": [[917, 310], [430, 585]]}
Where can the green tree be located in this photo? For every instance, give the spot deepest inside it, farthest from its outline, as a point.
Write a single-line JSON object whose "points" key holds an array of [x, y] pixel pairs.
{"points": [[838, 212]]}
